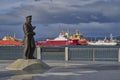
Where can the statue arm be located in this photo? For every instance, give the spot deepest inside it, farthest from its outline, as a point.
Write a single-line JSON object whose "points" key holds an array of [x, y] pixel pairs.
{"points": [[33, 27], [26, 29]]}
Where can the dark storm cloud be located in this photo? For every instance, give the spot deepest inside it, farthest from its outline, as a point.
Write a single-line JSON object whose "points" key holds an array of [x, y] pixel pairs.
{"points": [[68, 12], [99, 11], [8, 19]]}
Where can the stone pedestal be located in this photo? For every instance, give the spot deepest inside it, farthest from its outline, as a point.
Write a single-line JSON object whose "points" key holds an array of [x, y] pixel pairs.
{"points": [[29, 64]]}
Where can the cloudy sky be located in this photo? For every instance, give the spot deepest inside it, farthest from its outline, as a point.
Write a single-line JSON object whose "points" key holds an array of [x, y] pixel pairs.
{"points": [[90, 17]]}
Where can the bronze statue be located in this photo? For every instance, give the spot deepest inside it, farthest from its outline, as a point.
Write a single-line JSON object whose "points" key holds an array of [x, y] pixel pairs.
{"points": [[29, 42]]}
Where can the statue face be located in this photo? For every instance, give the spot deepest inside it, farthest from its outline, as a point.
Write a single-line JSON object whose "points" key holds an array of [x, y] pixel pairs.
{"points": [[29, 19]]}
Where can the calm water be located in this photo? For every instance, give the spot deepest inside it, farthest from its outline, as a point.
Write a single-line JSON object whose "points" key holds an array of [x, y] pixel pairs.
{"points": [[15, 52]]}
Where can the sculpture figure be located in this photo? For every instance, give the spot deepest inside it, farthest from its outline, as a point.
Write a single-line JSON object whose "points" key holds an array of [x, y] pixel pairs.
{"points": [[29, 42]]}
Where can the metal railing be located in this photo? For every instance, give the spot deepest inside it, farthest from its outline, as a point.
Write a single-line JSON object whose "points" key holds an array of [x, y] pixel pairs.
{"points": [[51, 53], [84, 54], [11, 52], [64, 53], [94, 54]]}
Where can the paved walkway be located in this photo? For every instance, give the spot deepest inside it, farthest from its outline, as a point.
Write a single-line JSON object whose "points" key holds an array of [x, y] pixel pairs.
{"points": [[61, 70]]}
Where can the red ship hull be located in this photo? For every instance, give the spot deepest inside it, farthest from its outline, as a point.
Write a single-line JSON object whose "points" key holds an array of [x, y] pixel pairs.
{"points": [[57, 43], [82, 42], [9, 43]]}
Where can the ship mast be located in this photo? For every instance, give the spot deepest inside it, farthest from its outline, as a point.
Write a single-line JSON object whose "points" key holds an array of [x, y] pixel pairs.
{"points": [[14, 35], [77, 32], [111, 37], [67, 33]]}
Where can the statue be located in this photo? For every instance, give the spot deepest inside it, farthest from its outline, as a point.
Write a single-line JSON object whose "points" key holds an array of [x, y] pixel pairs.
{"points": [[29, 42]]}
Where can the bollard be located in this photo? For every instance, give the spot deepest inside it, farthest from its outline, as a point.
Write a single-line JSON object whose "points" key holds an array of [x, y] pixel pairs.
{"points": [[119, 55], [66, 54], [39, 53], [93, 54]]}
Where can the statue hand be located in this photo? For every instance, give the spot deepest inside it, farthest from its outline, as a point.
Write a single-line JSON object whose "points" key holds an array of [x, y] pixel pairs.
{"points": [[34, 27], [34, 33]]}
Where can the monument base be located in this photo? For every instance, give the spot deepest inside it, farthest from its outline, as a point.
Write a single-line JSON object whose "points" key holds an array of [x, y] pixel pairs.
{"points": [[29, 64]]}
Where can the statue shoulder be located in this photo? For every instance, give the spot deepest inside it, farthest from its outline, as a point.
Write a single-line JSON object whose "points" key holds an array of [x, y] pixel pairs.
{"points": [[25, 24]]}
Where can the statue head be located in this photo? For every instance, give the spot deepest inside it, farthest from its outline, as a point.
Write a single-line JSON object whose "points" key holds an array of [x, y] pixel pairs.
{"points": [[29, 19]]}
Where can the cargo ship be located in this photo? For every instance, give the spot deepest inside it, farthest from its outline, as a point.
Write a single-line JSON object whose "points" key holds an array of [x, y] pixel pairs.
{"points": [[61, 40], [77, 36], [10, 41]]}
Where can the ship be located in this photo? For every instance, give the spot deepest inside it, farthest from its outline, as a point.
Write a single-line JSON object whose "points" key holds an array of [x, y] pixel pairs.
{"points": [[104, 42], [77, 36], [10, 41], [61, 40]]}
